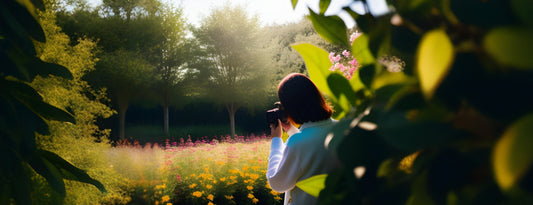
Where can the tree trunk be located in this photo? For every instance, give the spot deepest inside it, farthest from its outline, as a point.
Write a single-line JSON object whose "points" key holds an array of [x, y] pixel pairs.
{"points": [[122, 108], [231, 111], [165, 114]]}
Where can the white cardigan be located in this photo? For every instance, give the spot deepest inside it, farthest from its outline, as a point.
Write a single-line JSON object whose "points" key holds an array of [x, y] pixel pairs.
{"points": [[302, 156]]}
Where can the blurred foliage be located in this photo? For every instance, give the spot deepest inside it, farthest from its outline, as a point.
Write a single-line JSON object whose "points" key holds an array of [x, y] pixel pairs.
{"points": [[450, 122], [25, 113]]}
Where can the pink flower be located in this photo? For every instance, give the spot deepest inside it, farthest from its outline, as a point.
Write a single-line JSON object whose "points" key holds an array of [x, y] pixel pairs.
{"points": [[341, 67], [354, 36], [346, 53], [348, 76], [354, 63], [178, 177], [331, 57], [337, 58]]}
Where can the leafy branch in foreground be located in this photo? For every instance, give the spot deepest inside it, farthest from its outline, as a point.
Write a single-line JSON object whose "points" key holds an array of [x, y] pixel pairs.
{"points": [[439, 111], [24, 112]]}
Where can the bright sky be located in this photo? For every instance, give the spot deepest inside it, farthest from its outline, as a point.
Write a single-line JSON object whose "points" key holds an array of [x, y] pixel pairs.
{"points": [[274, 11], [277, 11]]}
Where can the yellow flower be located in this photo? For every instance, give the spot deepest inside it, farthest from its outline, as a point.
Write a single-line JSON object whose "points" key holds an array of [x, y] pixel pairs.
{"points": [[209, 186], [223, 179], [210, 197], [192, 185], [251, 196], [163, 186], [197, 194], [169, 204], [254, 176], [193, 175], [255, 200], [250, 187], [210, 203], [274, 192], [230, 197], [165, 198]]}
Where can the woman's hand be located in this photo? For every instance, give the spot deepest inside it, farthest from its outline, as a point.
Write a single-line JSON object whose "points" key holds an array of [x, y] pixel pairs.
{"points": [[275, 129]]}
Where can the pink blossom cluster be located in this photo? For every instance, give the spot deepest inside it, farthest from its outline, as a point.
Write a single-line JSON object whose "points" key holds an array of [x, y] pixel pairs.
{"points": [[345, 62], [213, 140], [338, 63]]}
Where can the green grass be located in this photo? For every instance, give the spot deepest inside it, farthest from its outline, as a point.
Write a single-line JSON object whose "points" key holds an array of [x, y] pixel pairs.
{"points": [[154, 133]]}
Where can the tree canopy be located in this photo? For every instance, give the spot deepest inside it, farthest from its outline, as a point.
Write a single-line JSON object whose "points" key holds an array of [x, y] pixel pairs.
{"points": [[238, 70]]}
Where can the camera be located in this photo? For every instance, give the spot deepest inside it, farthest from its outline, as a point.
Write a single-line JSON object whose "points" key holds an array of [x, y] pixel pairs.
{"points": [[273, 115]]}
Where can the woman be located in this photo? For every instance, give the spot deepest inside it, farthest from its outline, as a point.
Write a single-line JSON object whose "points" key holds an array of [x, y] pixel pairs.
{"points": [[304, 154]]}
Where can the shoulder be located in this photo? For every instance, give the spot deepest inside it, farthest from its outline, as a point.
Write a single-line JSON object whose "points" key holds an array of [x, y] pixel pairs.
{"points": [[311, 134]]}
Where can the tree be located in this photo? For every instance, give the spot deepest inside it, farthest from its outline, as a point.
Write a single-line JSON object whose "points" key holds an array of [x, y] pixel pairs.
{"points": [[171, 69], [126, 75], [238, 70]]}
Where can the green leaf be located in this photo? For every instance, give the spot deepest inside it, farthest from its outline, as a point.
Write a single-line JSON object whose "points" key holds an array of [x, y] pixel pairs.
{"points": [[366, 74], [26, 95], [14, 32], [323, 5], [69, 171], [313, 185], [50, 173], [27, 20], [524, 10], [46, 111], [294, 3], [510, 46], [419, 191], [356, 82], [434, 58], [20, 184], [330, 28], [361, 52], [388, 78], [342, 91], [512, 154], [409, 135], [44, 69], [481, 13], [318, 64]]}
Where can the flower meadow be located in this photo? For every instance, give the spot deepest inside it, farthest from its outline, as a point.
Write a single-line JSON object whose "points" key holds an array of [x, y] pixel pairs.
{"points": [[221, 170]]}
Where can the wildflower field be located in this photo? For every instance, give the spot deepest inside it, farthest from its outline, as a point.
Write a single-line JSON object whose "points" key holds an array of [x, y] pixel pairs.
{"points": [[221, 170]]}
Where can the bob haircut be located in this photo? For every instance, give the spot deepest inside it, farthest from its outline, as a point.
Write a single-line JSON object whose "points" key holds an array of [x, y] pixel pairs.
{"points": [[301, 100]]}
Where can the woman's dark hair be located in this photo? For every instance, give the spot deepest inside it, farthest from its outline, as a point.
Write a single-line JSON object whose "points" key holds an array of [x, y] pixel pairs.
{"points": [[301, 99]]}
